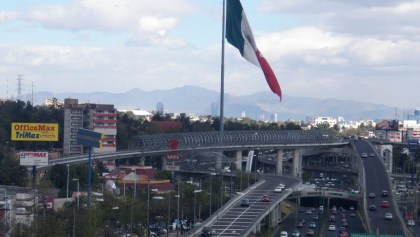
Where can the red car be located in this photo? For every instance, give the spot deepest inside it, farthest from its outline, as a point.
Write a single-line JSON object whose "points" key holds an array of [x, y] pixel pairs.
{"points": [[384, 204], [265, 198]]}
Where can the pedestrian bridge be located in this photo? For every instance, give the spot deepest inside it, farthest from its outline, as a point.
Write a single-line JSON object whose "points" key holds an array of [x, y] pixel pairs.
{"points": [[160, 144]]}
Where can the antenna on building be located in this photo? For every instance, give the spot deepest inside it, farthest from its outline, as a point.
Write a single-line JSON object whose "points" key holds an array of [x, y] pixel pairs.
{"points": [[19, 89], [7, 88], [396, 114], [32, 94]]}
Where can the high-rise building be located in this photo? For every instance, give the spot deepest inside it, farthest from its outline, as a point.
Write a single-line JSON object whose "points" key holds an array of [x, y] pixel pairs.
{"points": [[159, 108], [214, 109], [101, 118]]}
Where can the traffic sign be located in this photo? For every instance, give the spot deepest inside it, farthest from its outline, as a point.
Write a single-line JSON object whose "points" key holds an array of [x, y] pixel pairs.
{"points": [[89, 138], [413, 145]]}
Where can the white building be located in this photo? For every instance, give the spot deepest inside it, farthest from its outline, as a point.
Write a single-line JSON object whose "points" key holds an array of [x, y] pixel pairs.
{"points": [[325, 120]]}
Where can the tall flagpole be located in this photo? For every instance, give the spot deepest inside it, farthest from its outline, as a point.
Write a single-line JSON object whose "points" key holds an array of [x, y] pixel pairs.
{"points": [[222, 72]]}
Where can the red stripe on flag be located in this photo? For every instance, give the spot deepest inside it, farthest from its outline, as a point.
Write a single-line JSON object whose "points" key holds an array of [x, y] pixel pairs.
{"points": [[269, 74]]}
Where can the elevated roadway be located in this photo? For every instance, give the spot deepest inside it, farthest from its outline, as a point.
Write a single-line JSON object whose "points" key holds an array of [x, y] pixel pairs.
{"points": [[234, 220], [376, 180], [160, 144]]}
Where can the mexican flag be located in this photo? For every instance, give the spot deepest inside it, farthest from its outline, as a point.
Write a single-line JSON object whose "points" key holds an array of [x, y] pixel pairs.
{"points": [[239, 34]]}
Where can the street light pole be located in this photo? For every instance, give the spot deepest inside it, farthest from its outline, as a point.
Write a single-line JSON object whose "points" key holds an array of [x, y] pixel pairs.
{"points": [[148, 202], [78, 192], [195, 201], [169, 213], [68, 172], [132, 204]]}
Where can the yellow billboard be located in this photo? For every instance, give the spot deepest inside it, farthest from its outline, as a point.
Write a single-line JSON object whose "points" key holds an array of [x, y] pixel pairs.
{"points": [[34, 132]]}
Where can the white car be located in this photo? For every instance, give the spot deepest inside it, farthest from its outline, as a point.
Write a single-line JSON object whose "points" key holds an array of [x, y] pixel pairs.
{"points": [[331, 227], [388, 216], [283, 234], [411, 223], [278, 189]]}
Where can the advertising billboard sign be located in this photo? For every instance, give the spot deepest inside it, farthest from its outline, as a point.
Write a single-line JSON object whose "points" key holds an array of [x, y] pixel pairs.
{"points": [[33, 158], [387, 125], [34, 132], [172, 156], [172, 167], [89, 138]]}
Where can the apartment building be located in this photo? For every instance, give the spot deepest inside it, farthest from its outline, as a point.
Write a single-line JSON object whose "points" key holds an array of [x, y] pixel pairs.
{"points": [[101, 118]]}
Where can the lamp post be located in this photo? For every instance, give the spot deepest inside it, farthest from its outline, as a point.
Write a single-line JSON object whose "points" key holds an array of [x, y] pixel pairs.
{"points": [[148, 202], [68, 172], [211, 190], [124, 182], [177, 216], [169, 213], [78, 192], [132, 204], [195, 201]]}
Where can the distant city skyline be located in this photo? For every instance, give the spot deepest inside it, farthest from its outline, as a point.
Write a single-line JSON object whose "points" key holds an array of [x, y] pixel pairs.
{"points": [[350, 50]]}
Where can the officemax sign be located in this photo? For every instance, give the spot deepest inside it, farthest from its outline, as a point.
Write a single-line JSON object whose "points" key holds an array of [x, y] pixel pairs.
{"points": [[33, 158], [34, 132]]}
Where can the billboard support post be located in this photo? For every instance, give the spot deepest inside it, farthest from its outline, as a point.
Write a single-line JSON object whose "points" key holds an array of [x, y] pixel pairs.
{"points": [[33, 176], [89, 138], [89, 174]]}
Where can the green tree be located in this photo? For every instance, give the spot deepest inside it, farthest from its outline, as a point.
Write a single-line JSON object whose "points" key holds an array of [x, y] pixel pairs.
{"points": [[11, 173]]}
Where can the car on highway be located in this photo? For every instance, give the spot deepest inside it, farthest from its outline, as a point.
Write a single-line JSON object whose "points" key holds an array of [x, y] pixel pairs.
{"points": [[332, 227], [265, 198], [372, 154], [278, 189], [332, 218], [352, 208], [371, 195], [312, 224], [388, 216], [364, 155], [344, 224], [353, 214], [296, 233], [299, 224], [344, 234], [310, 232], [309, 212], [385, 204], [315, 217], [372, 207], [283, 234], [384, 193], [245, 202], [411, 223]]}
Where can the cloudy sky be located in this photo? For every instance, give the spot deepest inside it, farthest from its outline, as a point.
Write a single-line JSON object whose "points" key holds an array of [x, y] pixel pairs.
{"points": [[360, 50]]}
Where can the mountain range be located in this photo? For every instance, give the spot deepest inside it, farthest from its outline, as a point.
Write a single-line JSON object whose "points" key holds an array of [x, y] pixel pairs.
{"points": [[200, 101]]}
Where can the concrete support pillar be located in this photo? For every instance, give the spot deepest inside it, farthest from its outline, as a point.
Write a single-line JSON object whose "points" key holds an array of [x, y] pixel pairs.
{"points": [[297, 163], [279, 164], [142, 159], [238, 160], [249, 160], [164, 162], [274, 216], [219, 159]]}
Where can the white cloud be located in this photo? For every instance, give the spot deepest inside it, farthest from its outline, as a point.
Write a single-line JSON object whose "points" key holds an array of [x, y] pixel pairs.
{"points": [[107, 15]]}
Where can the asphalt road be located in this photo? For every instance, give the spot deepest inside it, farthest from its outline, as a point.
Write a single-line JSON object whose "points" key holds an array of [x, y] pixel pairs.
{"points": [[376, 180], [237, 219]]}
